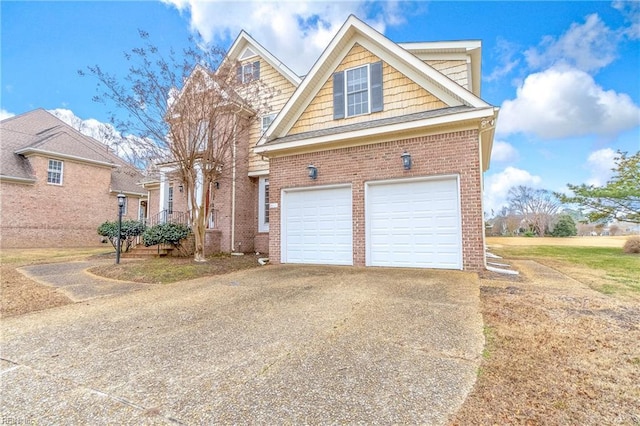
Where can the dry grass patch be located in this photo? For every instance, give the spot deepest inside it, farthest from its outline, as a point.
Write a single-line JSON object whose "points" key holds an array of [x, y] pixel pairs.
{"points": [[171, 269], [21, 295], [555, 359], [557, 352]]}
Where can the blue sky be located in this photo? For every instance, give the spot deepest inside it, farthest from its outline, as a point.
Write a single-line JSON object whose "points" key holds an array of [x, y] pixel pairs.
{"points": [[566, 75]]}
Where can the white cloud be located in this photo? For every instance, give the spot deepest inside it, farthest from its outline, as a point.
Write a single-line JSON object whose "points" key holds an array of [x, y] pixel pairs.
{"points": [[588, 47], [565, 102], [506, 54], [600, 163], [296, 32], [496, 186], [503, 152], [631, 11], [4, 114]]}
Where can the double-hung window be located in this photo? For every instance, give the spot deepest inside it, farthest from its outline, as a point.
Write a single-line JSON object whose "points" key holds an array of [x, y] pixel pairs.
{"points": [[357, 91], [248, 72], [54, 172]]}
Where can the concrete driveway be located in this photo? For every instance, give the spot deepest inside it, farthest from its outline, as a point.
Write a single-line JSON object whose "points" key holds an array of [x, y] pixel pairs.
{"points": [[280, 344]]}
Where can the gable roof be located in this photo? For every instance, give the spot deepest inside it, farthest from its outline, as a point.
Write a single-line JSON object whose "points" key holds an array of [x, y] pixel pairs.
{"points": [[464, 108], [39, 132], [355, 31], [244, 41]]}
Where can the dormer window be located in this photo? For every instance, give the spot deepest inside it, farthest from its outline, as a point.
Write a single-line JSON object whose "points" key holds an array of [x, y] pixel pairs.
{"points": [[357, 91], [248, 72]]}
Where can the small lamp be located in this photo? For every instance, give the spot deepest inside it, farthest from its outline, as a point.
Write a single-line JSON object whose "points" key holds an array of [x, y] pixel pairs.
{"points": [[121, 198], [313, 171], [181, 188], [406, 160]]}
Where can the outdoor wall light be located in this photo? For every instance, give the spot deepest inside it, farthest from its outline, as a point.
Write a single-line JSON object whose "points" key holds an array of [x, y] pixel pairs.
{"points": [[406, 160], [313, 171], [181, 188]]}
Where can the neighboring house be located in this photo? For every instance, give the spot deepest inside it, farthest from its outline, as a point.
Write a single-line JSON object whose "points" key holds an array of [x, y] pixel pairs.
{"points": [[58, 185], [375, 158]]}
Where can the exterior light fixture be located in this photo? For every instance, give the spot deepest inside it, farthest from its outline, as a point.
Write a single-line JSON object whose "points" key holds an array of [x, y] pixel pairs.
{"points": [[121, 200], [181, 188], [313, 171], [406, 160]]}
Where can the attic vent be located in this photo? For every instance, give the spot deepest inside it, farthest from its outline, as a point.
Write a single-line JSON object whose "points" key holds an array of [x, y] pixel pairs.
{"points": [[248, 53]]}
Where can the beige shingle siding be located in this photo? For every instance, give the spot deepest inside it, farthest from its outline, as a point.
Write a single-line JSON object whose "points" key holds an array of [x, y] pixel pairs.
{"points": [[279, 90], [455, 70], [401, 96]]}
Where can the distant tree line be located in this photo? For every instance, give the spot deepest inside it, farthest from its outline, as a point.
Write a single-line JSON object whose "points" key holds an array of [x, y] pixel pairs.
{"points": [[539, 212]]}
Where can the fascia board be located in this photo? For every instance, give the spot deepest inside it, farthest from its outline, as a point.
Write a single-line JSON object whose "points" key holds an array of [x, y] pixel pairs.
{"points": [[442, 45], [56, 155], [16, 179], [392, 129], [138, 194]]}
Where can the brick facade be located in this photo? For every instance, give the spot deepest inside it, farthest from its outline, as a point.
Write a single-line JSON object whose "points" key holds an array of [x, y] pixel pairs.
{"points": [[67, 215], [455, 153]]}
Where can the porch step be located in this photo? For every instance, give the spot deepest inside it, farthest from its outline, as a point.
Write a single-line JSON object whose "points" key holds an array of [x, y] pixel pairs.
{"points": [[153, 251]]}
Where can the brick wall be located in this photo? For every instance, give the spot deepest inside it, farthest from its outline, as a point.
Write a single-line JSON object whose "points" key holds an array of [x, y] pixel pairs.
{"points": [[450, 153], [67, 215]]}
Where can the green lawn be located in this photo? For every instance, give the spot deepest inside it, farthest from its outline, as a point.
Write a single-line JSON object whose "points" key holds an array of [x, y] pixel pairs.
{"points": [[605, 269]]}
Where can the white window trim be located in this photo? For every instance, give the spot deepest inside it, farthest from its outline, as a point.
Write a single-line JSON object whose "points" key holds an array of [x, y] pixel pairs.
{"points": [[346, 93], [262, 126], [247, 77], [50, 170], [262, 206]]}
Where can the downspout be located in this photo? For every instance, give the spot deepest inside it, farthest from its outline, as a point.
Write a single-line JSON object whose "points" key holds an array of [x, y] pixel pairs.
{"points": [[233, 188], [486, 125]]}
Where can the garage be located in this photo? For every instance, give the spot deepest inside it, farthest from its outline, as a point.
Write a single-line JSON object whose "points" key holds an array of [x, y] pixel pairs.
{"points": [[414, 223], [317, 226]]}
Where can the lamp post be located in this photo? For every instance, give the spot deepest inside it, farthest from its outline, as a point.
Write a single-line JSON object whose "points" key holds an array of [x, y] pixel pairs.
{"points": [[121, 199]]}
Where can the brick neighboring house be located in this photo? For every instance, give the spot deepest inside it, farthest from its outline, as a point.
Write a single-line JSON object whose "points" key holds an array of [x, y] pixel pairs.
{"points": [[375, 158], [58, 185]]}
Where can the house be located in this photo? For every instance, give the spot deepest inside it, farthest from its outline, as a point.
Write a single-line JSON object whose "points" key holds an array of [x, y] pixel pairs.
{"points": [[374, 158], [59, 185], [237, 219]]}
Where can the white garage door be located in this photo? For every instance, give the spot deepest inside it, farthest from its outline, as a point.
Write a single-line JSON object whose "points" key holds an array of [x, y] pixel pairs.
{"points": [[317, 227], [414, 224]]}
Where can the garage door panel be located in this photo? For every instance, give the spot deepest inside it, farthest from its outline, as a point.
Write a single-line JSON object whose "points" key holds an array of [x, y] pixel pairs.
{"points": [[414, 224], [317, 226]]}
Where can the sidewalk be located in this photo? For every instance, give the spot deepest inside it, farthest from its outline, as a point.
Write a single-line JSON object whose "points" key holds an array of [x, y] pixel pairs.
{"points": [[75, 281]]}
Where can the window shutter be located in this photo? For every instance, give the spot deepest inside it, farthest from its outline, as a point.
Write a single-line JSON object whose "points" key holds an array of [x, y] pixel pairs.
{"points": [[239, 74], [376, 87], [256, 70], [338, 95]]}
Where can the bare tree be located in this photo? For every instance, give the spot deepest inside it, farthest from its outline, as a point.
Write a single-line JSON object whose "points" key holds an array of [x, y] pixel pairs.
{"points": [[538, 207], [196, 109]]}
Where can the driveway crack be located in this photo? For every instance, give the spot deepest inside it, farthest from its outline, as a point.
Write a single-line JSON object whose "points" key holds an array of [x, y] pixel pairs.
{"points": [[78, 385]]}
